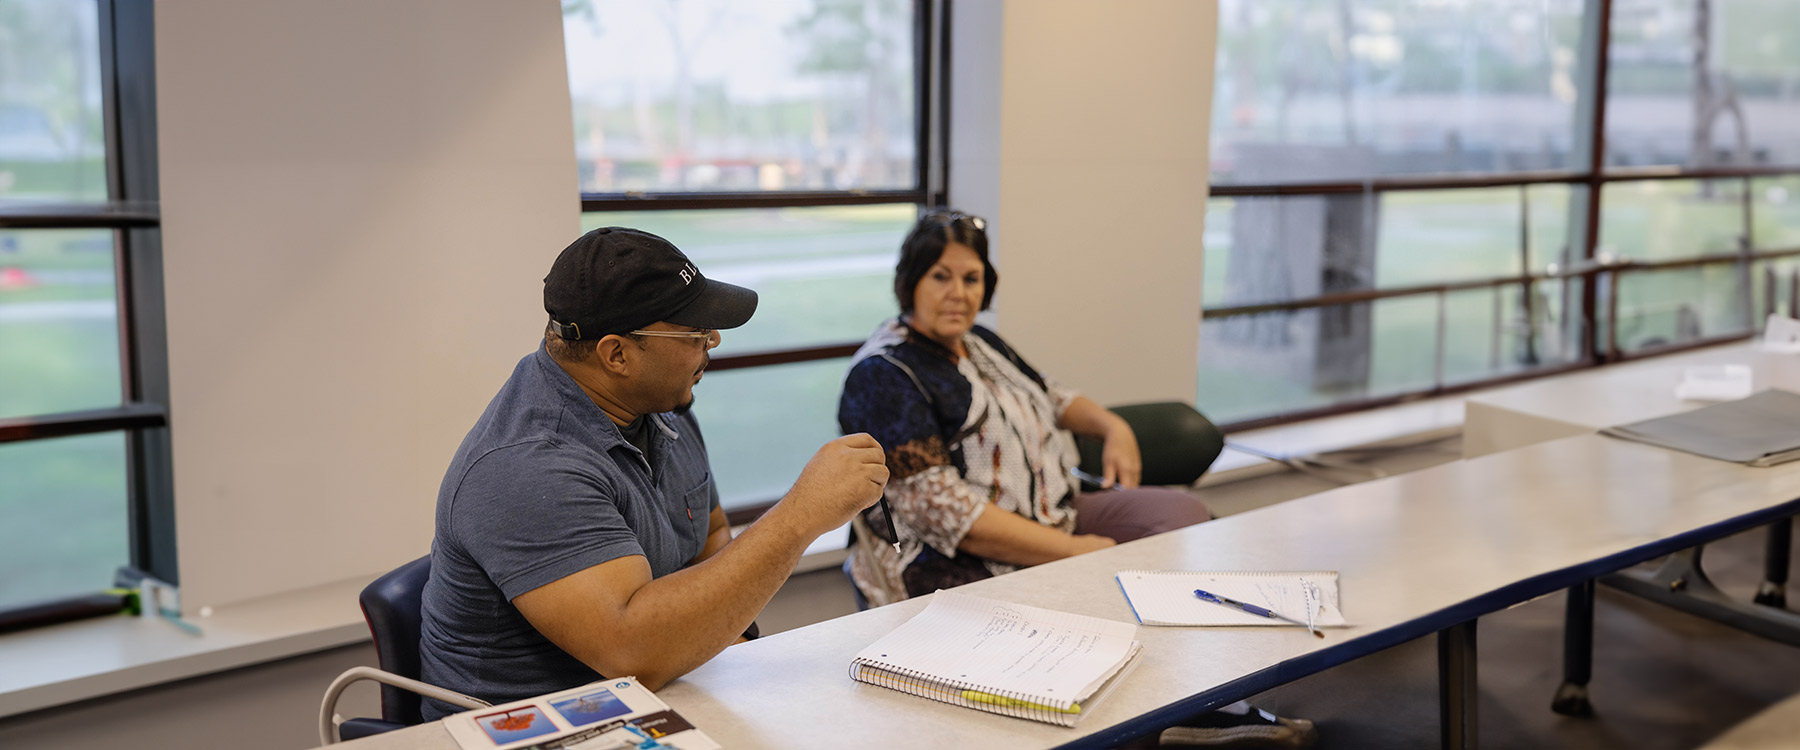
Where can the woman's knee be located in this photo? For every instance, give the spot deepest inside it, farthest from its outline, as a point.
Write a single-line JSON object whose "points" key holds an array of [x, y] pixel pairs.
{"points": [[1132, 514], [1175, 509]]}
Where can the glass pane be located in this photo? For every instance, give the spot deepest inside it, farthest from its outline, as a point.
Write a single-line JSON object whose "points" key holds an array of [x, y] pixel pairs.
{"points": [[1662, 308], [52, 142], [1777, 213], [1271, 363], [1273, 249], [1777, 289], [1490, 333], [1441, 236], [1736, 105], [1308, 90], [1405, 344], [720, 95], [1277, 249], [1550, 207], [1267, 363], [65, 509], [1664, 219], [59, 321], [1216, 251], [822, 275], [763, 423]]}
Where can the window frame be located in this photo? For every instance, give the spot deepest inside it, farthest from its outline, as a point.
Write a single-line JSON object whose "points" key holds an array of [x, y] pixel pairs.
{"points": [[127, 66], [932, 169], [1595, 348]]}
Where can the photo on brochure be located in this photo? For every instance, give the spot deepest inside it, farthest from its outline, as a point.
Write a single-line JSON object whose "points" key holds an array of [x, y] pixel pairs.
{"points": [[583, 710], [515, 725]]}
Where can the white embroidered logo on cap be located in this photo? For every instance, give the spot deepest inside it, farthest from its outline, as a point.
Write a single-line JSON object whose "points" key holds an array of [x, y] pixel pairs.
{"points": [[688, 272]]}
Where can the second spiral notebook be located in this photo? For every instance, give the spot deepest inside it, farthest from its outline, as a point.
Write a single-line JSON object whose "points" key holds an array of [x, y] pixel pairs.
{"points": [[1002, 657]]}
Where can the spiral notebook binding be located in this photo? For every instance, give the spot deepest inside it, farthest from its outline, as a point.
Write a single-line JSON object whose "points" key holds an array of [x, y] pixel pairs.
{"points": [[1003, 702]]}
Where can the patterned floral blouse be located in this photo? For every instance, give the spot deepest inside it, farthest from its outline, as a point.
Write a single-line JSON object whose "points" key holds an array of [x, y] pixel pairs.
{"points": [[959, 434]]}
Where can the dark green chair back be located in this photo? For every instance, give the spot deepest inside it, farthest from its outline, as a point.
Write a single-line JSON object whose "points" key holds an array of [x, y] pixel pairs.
{"points": [[1178, 444]]}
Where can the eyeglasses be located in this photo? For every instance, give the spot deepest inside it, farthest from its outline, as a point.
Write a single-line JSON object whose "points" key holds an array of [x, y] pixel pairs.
{"points": [[705, 335]]}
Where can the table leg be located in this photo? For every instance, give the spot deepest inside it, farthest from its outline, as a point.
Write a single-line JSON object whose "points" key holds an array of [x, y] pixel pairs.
{"points": [[1773, 591], [1457, 688], [1578, 653]]}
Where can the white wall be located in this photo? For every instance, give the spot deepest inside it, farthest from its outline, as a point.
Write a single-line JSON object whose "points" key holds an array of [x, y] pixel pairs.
{"points": [[359, 202], [1081, 132]]}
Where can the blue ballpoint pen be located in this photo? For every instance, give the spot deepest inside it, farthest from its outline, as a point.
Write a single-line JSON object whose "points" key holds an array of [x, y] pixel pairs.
{"points": [[1255, 610]]}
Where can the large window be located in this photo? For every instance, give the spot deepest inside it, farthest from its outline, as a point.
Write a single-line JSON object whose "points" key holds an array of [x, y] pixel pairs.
{"points": [[83, 449], [783, 146], [1414, 197]]}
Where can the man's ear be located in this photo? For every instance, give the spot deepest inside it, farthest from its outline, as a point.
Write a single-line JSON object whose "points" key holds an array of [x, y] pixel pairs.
{"points": [[613, 354]]}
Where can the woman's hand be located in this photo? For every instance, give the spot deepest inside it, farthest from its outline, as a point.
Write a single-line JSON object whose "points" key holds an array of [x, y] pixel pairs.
{"points": [[1122, 465]]}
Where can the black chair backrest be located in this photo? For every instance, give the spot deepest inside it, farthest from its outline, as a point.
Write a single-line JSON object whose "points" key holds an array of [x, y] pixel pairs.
{"points": [[1177, 443], [391, 604]]}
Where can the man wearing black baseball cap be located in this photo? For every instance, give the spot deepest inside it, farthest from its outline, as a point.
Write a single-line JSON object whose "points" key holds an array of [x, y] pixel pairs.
{"points": [[579, 532]]}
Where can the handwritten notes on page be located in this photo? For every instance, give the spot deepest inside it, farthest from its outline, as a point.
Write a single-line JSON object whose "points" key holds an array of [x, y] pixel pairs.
{"points": [[1167, 597]]}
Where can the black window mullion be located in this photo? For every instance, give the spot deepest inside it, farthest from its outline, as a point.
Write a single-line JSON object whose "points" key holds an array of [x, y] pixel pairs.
{"points": [[129, 93], [922, 95], [127, 416]]}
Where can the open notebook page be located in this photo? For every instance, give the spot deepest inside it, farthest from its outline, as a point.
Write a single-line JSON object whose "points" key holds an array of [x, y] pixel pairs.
{"points": [[1006, 647]]}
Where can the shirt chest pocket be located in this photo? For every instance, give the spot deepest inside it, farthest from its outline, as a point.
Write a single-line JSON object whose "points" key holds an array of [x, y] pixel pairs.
{"points": [[693, 514]]}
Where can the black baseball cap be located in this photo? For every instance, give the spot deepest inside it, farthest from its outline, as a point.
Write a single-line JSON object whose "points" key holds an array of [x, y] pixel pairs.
{"points": [[614, 279]]}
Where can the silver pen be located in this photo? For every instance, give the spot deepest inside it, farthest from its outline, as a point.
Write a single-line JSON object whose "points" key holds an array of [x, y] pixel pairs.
{"points": [[1100, 482]]}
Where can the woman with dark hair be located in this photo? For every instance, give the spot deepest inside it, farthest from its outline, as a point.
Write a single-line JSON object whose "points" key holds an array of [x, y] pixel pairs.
{"points": [[979, 451], [979, 442]]}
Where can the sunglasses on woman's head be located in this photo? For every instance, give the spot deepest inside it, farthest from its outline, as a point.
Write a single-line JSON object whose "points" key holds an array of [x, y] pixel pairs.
{"points": [[952, 218]]}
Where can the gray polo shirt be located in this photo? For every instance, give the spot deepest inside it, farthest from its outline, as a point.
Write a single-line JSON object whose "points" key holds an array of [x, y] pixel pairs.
{"points": [[544, 487]]}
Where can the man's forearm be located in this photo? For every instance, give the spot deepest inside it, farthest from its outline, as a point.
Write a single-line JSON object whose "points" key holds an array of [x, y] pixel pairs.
{"points": [[678, 622]]}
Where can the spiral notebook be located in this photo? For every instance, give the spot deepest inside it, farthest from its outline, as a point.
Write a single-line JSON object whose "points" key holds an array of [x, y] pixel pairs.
{"points": [[1166, 597], [1002, 658]]}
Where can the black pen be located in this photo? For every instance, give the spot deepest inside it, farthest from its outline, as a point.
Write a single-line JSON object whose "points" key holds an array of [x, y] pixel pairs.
{"points": [[888, 513]]}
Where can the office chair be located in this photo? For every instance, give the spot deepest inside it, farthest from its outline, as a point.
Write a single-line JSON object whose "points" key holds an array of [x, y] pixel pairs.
{"points": [[391, 605], [1177, 443]]}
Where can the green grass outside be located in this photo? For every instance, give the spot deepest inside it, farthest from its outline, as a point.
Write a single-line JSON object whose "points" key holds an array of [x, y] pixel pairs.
{"points": [[75, 180], [65, 510], [52, 362], [36, 252]]}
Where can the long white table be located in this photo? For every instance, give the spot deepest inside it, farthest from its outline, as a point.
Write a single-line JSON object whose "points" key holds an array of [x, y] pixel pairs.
{"points": [[1590, 400], [1427, 552]]}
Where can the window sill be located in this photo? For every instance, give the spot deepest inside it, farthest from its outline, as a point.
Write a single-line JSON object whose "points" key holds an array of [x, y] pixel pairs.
{"points": [[77, 661], [1416, 421]]}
